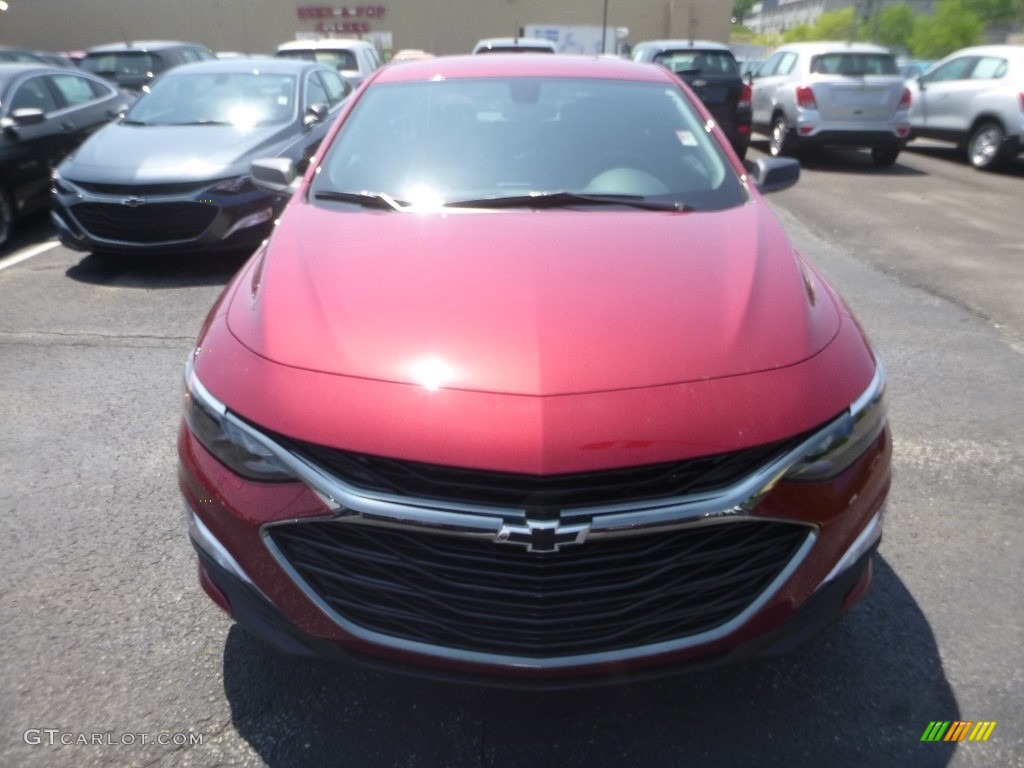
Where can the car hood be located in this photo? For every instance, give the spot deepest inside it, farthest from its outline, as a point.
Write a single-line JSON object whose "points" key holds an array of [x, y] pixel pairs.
{"points": [[533, 302], [150, 153]]}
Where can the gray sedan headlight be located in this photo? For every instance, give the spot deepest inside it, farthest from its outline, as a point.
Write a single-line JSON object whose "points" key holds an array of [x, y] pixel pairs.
{"points": [[845, 439], [233, 442]]}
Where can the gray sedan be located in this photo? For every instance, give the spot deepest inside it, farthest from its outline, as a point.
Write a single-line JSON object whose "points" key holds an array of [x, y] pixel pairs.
{"points": [[173, 175]]}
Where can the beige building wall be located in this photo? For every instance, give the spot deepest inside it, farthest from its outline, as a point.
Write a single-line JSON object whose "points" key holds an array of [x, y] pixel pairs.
{"points": [[259, 26]]}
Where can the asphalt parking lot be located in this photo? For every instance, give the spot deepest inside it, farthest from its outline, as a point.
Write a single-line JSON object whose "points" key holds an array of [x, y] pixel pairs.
{"points": [[108, 638]]}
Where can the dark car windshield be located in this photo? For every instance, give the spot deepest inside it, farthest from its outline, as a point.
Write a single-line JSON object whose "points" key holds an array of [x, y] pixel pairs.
{"points": [[459, 141], [241, 99], [126, 64], [699, 62], [852, 64]]}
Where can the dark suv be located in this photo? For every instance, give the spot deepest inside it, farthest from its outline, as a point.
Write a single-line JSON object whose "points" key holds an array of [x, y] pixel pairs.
{"points": [[134, 65], [710, 69]]}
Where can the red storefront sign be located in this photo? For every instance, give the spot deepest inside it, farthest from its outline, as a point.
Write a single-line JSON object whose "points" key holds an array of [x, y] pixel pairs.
{"points": [[344, 12]]}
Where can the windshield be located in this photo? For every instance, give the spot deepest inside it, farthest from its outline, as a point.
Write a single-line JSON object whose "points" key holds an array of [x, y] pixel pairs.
{"points": [[242, 99], [452, 142], [129, 63]]}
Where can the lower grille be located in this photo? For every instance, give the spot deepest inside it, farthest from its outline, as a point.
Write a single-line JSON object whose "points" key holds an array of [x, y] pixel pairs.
{"points": [[149, 223], [475, 595]]}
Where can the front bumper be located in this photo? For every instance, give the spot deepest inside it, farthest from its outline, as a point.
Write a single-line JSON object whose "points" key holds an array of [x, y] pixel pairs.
{"points": [[242, 572], [173, 220], [251, 608]]}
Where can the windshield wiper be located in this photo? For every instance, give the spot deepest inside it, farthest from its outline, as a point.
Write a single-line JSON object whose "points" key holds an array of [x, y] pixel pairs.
{"points": [[563, 199], [365, 199], [126, 121], [205, 122]]}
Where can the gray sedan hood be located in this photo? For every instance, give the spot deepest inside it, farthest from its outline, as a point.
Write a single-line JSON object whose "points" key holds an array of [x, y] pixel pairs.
{"points": [[122, 153]]}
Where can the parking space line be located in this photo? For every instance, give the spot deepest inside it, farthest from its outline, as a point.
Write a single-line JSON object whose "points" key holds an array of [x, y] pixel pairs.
{"points": [[27, 253]]}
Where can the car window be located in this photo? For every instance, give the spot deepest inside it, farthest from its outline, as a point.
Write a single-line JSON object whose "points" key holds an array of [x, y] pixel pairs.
{"points": [[955, 69], [769, 66], [786, 63], [131, 63], [854, 64], [75, 90], [698, 62], [316, 93], [33, 94], [336, 86], [989, 68], [189, 55], [467, 139], [368, 57]]}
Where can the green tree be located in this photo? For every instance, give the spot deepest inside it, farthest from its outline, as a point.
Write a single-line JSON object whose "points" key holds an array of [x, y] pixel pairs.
{"points": [[740, 8], [952, 27], [893, 27], [997, 13], [832, 25]]}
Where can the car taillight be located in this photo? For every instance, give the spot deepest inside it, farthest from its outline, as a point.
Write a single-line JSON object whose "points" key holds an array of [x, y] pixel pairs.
{"points": [[805, 97], [905, 99], [1021, 97], [745, 97]]}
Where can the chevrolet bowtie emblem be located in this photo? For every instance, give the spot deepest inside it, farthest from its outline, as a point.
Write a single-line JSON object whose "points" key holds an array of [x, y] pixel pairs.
{"points": [[542, 535], [133, 202]]}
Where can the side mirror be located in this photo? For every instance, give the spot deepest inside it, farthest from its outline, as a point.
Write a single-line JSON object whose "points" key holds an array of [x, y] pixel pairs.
{"points": [[315, 113], [749, 78], [28, 116], [920, 82], [274, 174], [770, 174]]}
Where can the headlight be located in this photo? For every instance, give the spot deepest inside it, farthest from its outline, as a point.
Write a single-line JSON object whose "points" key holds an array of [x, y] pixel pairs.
{"points": [[233, 186], [844, 440], [233, 442]]}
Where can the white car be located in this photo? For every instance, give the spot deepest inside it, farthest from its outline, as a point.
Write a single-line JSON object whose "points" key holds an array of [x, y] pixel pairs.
{"points": [[975, 99], [832, 94], [354, 59]]}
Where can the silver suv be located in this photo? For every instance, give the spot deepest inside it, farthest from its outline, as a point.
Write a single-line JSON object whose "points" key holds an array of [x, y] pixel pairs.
{"points": [[832, 94], [975, 99]]}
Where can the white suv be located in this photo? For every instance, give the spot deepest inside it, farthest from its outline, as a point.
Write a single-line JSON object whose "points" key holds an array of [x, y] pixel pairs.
{"points": [[354, 59], [975, 99], [832, 94]]}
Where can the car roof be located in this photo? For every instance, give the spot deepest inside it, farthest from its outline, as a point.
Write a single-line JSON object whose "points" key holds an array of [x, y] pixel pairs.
{"points": [[517, 65], [833, 46], [264, 64], [681, 45], [1009, 51], [334, 43], [141, 45]]}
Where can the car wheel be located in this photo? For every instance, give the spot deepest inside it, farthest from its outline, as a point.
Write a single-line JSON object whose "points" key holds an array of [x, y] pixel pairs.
{"points": [[6, 218], [883, 157], [780, 140], [984, 149]]}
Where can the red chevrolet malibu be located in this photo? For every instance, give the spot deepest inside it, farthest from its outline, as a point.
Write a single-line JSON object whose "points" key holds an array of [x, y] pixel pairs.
{"points": [[529, 386]]}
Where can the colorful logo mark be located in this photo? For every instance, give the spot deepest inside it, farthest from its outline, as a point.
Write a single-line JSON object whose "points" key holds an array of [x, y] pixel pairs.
{"points": [[958, 730]]}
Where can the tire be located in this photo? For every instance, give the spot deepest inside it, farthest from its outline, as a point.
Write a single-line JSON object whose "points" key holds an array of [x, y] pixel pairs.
{"points": [[984, 148], [883, 157], [6, 218], [780, 138]]}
